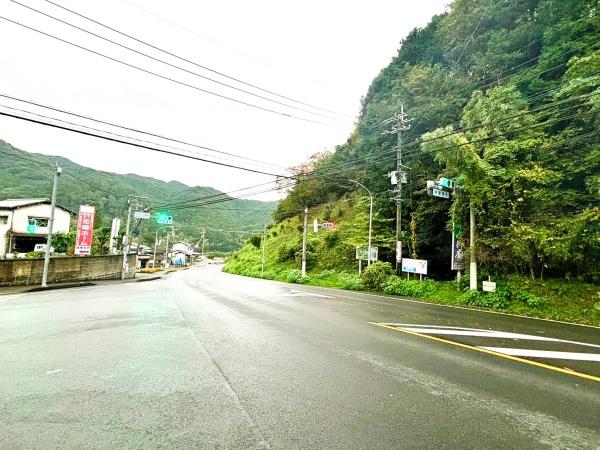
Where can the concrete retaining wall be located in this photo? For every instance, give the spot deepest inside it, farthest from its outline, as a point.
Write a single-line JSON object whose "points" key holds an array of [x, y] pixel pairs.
{"points": [[15, 272]]}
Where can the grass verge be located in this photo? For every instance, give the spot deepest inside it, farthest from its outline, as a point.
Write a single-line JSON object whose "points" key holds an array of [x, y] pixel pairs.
{"points": [[568, 301]]}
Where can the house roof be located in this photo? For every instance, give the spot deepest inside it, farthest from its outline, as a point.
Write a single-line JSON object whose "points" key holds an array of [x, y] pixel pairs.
{"points": [[16, 203]]}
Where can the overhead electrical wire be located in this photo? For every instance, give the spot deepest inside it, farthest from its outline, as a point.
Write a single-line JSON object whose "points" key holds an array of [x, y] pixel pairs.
{"points": [[189, 61], [147, 147], [415, 183], [164, 77], [111, 133], [168, 63], [135, 130]]}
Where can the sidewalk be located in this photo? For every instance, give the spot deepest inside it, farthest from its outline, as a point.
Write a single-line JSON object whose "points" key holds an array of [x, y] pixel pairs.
{"points": [[139, 277]]}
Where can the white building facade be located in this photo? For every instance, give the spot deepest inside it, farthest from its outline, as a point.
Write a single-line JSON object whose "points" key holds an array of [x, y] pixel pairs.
{"points": [[24, 223]]}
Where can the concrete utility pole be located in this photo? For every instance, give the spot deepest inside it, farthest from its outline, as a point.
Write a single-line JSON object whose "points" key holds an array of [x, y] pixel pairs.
{"points": [[262, 262], [155, 243], [304, 243], [472, 255], [167, 250], [400, 123], [57, 172], [370, 223], [126, 238]]}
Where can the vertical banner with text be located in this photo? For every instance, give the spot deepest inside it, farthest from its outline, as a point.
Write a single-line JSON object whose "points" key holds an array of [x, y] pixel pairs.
{"points": [[85, 230]]}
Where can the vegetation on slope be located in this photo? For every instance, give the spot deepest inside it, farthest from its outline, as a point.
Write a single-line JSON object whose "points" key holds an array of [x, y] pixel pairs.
{"points": [[505, 100]]}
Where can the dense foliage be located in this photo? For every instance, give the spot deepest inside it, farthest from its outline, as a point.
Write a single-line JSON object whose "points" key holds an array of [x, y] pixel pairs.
{"points": [[505, 99], [25, 175]]}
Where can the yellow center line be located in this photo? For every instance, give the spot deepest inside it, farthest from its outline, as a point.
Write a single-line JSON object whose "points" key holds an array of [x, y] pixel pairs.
{"points": [[491, 352]]}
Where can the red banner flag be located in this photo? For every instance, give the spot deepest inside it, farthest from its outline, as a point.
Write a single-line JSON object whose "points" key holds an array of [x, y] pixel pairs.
{"points": [[85, 230]]}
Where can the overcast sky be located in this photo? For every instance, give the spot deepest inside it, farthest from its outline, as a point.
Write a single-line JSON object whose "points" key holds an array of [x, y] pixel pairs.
{"points": [[321, 52]]}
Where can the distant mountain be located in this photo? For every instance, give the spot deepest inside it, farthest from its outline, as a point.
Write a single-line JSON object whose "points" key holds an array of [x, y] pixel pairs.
{"points": [[24, 174]]}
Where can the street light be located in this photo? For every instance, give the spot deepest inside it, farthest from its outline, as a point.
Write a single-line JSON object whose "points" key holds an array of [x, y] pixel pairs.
{"points": [[370, 220], [155, 239]]}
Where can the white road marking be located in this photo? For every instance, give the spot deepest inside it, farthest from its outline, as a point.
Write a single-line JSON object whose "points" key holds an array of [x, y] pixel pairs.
{"points": [[298, 293], [53, 371], [455, 331], [545, 354]]}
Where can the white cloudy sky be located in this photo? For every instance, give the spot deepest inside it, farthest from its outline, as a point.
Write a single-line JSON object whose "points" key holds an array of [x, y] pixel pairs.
{"points": [[323, 52]]}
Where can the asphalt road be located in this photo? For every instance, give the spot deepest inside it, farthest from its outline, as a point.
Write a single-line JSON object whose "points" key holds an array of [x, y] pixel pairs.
{"points": [[203, 359]]}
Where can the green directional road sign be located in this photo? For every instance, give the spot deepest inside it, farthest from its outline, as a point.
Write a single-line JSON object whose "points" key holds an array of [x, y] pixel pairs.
{"points": [[164, 218]]}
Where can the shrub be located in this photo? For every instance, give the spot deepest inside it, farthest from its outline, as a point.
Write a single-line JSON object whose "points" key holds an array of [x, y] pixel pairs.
{"points": [[293, 275], [397, 286], [376, 275], [35, 255], [483, 299]]}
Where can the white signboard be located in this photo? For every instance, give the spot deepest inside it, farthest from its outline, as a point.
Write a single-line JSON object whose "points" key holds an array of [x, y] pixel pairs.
{"points": [[489, 286], [361, 253], [141, 215], [414, 266]]}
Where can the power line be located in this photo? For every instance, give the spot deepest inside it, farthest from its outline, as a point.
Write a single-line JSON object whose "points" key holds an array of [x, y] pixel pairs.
{"points": [[147, 147], [149, 72], [415, 183], [193, 62], [163, 61], [108, 132], [135, 130]]}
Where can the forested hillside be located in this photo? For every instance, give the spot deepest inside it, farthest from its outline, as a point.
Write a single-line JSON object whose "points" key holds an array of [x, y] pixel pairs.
{"points": [[24, 174], [502, 96]]}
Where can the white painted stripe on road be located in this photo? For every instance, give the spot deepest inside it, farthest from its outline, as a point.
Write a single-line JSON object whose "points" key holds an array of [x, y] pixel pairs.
{"points": [[545, 354], [454, 331], [298, 293]]}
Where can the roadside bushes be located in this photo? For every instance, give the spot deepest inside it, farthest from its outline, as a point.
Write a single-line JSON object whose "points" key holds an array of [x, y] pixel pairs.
{"points": [[505, 295], [411, 288], [374, 276]]}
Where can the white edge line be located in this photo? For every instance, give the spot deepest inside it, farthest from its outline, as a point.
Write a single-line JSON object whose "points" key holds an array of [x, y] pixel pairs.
{"points": [[544, 354], [473, 332]]}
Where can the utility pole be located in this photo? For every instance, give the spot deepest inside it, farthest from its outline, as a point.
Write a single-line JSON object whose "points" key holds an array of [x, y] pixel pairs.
{"points": [[370, 224], [167, 248], [304, 243], [262, 263], [472, 255], [126, 238], [57, 172], [400, 123]]}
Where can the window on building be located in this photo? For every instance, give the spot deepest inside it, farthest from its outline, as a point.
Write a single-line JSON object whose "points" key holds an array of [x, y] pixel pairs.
{"points": [[3, 220], [39, 222]]}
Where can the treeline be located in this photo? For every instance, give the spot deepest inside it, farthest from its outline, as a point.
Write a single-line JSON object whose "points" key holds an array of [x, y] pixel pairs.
{"points": [[27, 175], [504, 98]]}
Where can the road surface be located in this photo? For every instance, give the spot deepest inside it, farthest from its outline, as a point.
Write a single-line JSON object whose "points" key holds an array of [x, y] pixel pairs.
{"points": [[203, 359]]}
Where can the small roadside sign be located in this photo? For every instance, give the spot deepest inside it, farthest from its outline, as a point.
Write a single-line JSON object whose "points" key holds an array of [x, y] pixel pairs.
{"points": [[328, 225], [489, 286], [141, 215]]}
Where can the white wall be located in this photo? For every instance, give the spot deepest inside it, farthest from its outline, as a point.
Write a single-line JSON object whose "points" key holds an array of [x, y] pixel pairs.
{"points": [[18, 221], [62, 219], [4, 231]]}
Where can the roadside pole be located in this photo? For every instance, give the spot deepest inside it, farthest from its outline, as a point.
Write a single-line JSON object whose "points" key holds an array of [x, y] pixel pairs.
{"points": [[125, 267], [304, 243], [262, 263], [472, 254], [57, 172], [370, 222], [167, 251]]}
